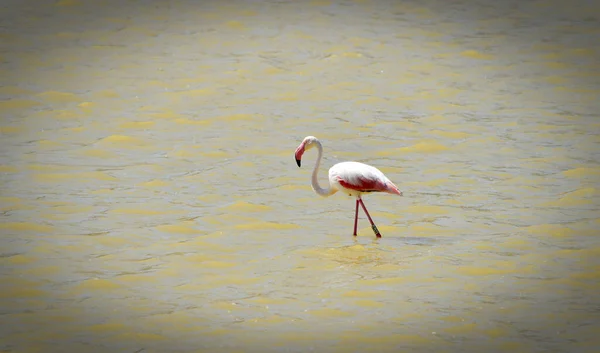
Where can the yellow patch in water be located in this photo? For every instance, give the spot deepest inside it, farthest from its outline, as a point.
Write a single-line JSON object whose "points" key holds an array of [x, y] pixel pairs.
{"points": [[194, 257], [424, 147], [496, 332], [227, 306], [218, 264], [20, 259], [26, 227], [452, 318], [474, 54], [267, 225], [111, 241], [235, 25], [107, 327], [68, 3], [461, 329], [247, 207], [554, 230], [17, 104], [434, 182], [46, 167], [87, 106], [183, 228], [273, 319], [9, 129], [585, 192], [451, 134], [98, 153], [555, 65], [518, 244], [269, 301], [139, 337], [236, 117], [72, 209], [13, 90], [102, 191], [215, 154], [74, 176], [137, 125], [192, 93], [273, 71], [425, 209], [327, 312], [137, 278], [388, 268], [96, 284], [137, 211], [592, 275], [320, 2], [54, 216], [366, 303], [380, 281], [361, 294], [228, 219], [43, 144], [184, 321], [396, 338], [186, 121], [287, 96], [62, 114], [575, 198], [156, 183], [183, 154], [121, 139], [20, 292], [370, 100], [223, 280], [352, 55], [483, 271], [8, 169], [484, 247], [75, 129], [59, 97], [43, 271], [210, 198], [555, 80]]}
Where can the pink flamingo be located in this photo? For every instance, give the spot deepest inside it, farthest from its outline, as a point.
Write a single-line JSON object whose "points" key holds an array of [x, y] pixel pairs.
{"points": [[353, 178]]}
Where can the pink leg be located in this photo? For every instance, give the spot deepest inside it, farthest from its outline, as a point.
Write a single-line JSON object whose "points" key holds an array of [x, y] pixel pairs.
{"points": [[356, 218], [377, 234]]}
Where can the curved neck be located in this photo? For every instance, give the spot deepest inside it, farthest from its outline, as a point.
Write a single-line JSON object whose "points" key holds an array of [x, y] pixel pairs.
{"points": [[315, 183]]}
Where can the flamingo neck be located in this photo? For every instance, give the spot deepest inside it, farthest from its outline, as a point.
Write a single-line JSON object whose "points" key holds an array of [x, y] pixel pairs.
{"points": [[315, 183]]}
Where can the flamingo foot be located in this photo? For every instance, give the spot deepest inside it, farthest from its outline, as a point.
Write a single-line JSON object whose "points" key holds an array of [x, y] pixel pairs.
{"points": [[376, 231]]}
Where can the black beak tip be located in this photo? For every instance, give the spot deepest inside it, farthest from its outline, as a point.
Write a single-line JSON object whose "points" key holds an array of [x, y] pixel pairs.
{"points": [[298, 162]]}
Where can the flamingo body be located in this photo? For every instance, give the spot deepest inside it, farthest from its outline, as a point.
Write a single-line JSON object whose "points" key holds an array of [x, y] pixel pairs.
{"points": [[352, 178]]}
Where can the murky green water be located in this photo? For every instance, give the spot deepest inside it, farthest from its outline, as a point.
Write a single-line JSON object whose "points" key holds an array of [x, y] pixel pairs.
{"points": [[151, 203]]}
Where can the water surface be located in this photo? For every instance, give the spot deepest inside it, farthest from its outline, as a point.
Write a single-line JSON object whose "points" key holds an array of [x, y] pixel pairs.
{"points": [[151, 203]]}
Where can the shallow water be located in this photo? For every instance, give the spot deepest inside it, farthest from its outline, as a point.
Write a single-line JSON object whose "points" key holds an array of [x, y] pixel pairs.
{"points": [[151, 203]]}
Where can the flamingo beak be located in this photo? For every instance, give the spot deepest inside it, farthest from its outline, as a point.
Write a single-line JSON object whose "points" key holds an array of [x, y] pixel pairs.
{"points": [[298, 154]]}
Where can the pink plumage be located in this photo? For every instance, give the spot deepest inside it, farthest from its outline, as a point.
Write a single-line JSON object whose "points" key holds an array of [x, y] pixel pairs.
{"points": [[355, 178], [352, 178]]}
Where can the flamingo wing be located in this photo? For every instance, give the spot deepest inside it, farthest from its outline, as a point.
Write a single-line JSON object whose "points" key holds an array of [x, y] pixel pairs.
{"points": [[361, 177], [363, 184]]}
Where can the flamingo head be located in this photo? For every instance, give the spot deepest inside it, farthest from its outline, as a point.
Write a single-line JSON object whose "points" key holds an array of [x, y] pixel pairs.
{"points": [[307, 143]]}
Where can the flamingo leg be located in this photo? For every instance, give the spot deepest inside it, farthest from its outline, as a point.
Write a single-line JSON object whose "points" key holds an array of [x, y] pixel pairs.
{"points": [[356, 217], [375, 230]]}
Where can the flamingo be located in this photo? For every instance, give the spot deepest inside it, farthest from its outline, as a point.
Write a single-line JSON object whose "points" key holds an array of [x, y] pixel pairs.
{"points": [[353, 178]]}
